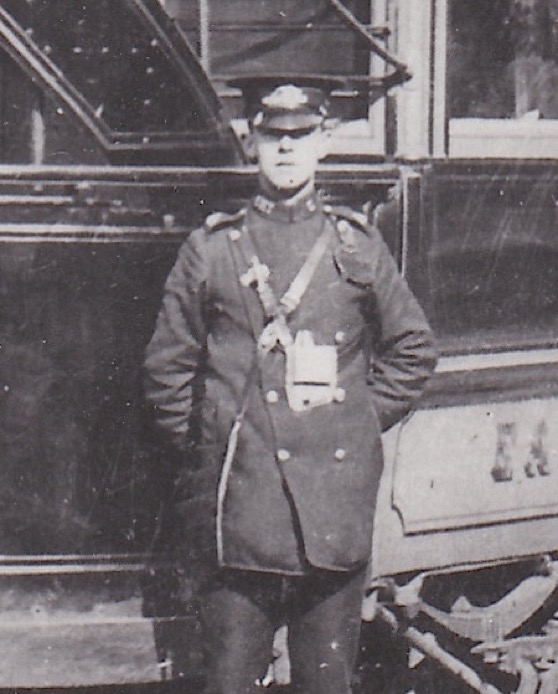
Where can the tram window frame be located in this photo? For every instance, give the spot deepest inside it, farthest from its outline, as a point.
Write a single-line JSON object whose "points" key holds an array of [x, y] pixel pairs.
{"points": [[525, 134]]}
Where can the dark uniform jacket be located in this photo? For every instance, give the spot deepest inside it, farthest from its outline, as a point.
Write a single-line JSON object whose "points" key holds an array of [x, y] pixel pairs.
{"points": [[301, 487]]}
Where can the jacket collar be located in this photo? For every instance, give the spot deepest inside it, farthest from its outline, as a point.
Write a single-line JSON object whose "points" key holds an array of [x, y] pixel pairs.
{"points": [[282, 211]]}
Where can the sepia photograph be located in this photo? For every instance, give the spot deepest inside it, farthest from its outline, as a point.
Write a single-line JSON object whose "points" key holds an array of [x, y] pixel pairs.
{"points": [[279, 346]]}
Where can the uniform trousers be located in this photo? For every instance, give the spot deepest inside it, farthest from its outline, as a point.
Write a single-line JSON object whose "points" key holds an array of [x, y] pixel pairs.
{"points": [[241, 610]]}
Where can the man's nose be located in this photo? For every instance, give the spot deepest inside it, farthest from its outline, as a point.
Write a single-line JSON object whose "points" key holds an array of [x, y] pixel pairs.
{"points": [[286, 142]]}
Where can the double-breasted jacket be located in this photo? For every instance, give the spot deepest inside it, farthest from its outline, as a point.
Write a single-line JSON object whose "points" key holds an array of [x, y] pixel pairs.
{"points": [[300, 487]]}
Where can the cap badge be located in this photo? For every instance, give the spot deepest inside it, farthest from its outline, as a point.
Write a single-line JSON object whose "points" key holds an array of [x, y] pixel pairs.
{"points": [[287, 96]]}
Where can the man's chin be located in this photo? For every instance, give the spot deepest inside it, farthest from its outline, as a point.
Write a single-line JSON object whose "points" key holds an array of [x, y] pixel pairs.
{"points": [[284, 188]]}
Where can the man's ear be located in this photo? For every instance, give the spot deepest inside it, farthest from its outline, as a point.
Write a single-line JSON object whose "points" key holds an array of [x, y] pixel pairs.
{"points": [[249, 145], [324, 144]]}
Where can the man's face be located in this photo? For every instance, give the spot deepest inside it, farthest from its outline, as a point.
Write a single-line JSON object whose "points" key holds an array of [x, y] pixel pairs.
{"points": [[288, 159]]}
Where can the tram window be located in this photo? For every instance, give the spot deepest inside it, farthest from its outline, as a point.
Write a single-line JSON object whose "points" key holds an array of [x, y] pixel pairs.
{"points": [[125, 76], [502, 74], [492, 261], [236, 37]]}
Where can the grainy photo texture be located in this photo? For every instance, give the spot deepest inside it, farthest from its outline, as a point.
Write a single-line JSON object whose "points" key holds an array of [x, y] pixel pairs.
{"points": [[278, 367]]}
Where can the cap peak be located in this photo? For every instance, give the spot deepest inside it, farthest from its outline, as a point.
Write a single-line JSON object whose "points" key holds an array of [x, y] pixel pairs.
{"points": [[286, 102]]}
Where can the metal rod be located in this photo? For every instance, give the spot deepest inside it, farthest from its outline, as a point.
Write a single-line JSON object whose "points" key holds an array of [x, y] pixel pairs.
{"points": [[38, 130], [348, 17], [427, 644], [204, 35]]}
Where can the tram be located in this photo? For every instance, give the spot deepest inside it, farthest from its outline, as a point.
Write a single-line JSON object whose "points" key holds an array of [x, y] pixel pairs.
{"points": [[119, 133]]}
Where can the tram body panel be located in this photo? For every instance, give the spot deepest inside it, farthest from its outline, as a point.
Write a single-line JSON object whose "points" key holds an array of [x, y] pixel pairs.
{"points": [[466, 485]]}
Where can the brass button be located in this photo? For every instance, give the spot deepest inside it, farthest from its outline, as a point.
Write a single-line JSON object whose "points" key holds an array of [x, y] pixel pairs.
{"points": [[283, 455], [343, 227], [339, 395], [234, 234], [272, 397], [339, 337], [340, 454]]}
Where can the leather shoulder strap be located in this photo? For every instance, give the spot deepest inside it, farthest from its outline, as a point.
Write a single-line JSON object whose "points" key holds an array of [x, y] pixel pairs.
{"points": [[343, 213], [223, 220]]}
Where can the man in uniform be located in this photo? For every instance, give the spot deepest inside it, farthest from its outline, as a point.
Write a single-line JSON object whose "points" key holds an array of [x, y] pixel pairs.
{"points": [[287, 341]]}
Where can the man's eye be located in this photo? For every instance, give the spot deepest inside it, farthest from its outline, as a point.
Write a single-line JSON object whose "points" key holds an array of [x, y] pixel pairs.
{"points": [[274, 134], [291, 134], [299, 134]]}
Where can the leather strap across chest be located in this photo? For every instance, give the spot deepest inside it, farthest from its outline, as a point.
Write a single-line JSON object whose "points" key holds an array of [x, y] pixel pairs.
{"points": [[277, 310]]}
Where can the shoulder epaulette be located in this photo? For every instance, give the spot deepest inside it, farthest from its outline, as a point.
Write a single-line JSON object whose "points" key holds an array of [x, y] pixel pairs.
{"points": [[222, 220], [347, 223], [341, 212], [352, 228]]}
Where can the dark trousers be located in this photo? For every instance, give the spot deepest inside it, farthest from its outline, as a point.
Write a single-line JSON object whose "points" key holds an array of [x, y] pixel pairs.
{"points": [[241, 611]]}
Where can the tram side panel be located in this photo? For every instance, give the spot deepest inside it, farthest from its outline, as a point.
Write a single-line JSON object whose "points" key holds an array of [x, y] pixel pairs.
{"points": [[464, 557], [472, 476]]}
